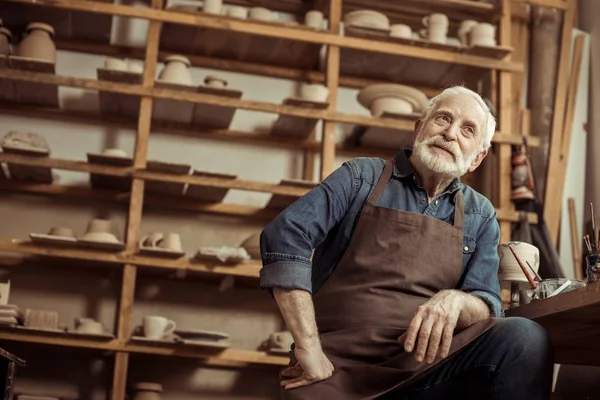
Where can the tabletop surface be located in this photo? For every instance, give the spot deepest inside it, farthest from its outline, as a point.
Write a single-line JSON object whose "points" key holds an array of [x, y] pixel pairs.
{"points": [[573, 321]]}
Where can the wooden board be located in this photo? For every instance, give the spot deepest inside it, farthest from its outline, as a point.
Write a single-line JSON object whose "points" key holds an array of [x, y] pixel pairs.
{"points": [[207, 193], [395, 68], [36, 94], [298, 127], [213, 116], [240, 46], [7, 87], [168, 188], [166, 110], [27, 173], [118, 103], [107, 182], [279, 201]]}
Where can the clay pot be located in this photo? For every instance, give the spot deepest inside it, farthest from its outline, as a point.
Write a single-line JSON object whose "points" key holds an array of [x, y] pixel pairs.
{"points": [[483, 34], [147, 391], [237, 12], [509, 268], [176, 70], [38, 44], [5, 38], [261, 14], [212, 6], [314, 92], [314, 19]]}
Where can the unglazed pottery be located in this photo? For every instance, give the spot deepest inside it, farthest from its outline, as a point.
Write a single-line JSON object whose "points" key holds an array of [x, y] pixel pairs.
{"points": [[5, 38], [176, 70], [261, 14], [369, 94], [367, 18], [157, 327], [212, 6], [38, 44], [483, 34], [314, 19], [237, 12], [314, 92], [509, 267], [215, 81], [401, 31], [147, 391]]}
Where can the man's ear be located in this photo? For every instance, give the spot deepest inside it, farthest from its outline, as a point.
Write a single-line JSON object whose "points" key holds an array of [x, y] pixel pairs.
{"points": [[478, 160], [418, 125]]}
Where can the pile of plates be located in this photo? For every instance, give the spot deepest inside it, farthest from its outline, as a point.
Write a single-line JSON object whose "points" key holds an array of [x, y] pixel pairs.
{"points": [[10, 315]]}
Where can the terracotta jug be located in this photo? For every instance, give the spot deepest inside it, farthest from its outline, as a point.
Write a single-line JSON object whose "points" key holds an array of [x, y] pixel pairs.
{"points": [[5, 38], [176, 70], [147, 391], [38, 44]]}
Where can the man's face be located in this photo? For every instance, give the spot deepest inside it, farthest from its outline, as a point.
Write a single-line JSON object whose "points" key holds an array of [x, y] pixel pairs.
{"points": [[449, 141]]}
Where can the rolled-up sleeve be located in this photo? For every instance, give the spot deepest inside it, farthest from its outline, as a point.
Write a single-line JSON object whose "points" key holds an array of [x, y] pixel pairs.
{"points": [[481, 275], [287, 242]]}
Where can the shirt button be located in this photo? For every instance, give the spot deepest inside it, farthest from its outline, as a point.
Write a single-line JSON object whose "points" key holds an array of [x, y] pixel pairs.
{"points": [[465, 248], [422, 198], [437, 201], [414, 178]]}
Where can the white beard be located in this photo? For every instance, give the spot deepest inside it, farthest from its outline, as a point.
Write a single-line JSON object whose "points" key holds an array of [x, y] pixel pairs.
{"points": [[437, 163]]}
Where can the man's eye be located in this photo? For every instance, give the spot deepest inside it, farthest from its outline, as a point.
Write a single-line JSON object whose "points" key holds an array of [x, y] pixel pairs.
{"points": [[444, 118]]}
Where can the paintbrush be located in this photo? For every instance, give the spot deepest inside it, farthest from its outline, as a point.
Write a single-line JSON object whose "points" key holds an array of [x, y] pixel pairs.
{"points": [[529, 278], [595, 235], [533, 270]]}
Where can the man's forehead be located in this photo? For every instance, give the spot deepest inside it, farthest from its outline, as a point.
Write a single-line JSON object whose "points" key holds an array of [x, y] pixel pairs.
{"points": [[462, 105]]}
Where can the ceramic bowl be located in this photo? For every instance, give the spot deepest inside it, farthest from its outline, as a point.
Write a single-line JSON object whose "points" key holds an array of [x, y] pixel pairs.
{"points": [[261, 14], [393, 105], [368, 18], [370, 93]]}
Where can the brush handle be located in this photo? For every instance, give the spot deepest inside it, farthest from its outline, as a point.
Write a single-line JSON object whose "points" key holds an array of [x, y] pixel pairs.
{"points": [[531, 281]]}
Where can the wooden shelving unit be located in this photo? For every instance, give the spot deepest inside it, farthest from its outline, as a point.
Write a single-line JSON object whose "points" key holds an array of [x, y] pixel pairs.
{"points": [[269, 49]]}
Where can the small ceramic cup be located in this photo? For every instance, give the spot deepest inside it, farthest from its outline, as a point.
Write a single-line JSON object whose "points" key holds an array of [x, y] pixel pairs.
{"points": [[170, 241], [61, 231], [436, 20], [115, 64], [157, 327], [237, 12], [212, 6], [314, 19], [483, 34], [314, 92], [151, 239], [215, 81]]}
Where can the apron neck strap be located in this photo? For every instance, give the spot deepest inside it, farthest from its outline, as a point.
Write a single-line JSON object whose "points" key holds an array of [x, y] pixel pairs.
{"points": [[459, 209], [382, 182]]}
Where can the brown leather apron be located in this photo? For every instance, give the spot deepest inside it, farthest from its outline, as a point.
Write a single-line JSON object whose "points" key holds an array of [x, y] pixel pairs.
{"points": [[395, 261]]}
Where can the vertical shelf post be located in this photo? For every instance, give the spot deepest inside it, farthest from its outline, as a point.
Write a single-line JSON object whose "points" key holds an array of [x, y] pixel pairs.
{"points": [[505, 109], [136, 203], [332, 77]]}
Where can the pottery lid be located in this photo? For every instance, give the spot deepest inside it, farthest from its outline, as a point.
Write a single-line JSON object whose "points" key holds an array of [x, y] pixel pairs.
{"points": [[6, 32], [210, 78], [154, 387], [42, 26], [179, 58]]}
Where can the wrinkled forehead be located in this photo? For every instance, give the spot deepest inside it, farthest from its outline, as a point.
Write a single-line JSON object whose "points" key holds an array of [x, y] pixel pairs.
{"points": [[463, 106]]}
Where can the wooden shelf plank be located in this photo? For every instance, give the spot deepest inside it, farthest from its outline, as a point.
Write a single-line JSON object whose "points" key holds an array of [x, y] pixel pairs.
{"points": [[227, 357], [7, 86], [214, 116], [298, 127], [247, 270], [277, 31], [28, 93]]}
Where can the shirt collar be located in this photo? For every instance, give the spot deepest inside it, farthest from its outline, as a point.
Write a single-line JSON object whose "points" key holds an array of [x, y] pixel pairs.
{"points": [[404, 169]]}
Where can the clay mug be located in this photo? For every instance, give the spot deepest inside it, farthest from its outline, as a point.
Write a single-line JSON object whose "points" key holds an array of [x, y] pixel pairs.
{"points": [[38, 44], [401, 31], [212, 6], [314, 19], [464, 29], [61, 231], [281, 340], [115, 64], [88, 325], [176, 70], [151, 239], [215, 81], [483, 34], [170, 241], [157, 327], [436, 20], [135, 67], [237, 12], [5, 38]]}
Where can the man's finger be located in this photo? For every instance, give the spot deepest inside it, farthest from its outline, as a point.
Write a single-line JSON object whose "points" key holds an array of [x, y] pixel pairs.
{"points": [[434, 339], [411, 332], [298, 384], [447, 339], [423, 338], [292, 372], [297, 379]]}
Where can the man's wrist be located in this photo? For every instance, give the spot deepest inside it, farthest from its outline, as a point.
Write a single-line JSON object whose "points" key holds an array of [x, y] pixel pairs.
{"points": [[307, 341]]}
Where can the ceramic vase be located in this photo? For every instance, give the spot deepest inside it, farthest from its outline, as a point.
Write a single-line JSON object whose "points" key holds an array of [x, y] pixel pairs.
{"points": [[38, 44], [176, 70], [5, 38]]}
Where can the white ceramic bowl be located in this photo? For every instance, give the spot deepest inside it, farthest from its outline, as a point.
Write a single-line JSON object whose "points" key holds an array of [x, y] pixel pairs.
{"points": [[392, 105]]}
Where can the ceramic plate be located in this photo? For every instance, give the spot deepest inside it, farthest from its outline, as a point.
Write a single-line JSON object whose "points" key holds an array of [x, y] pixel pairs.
{"points": [[160, 252], [222, 344], [200, 334], [42, 238], [367, 95], [92, 336], [143, 339]]}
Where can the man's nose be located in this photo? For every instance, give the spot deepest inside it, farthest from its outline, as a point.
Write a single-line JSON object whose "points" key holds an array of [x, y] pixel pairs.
{"points": [[451, 134]]}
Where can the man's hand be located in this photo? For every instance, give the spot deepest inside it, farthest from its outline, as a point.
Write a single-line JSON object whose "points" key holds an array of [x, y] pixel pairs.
{"points": [[434, 322], [313, 366]]}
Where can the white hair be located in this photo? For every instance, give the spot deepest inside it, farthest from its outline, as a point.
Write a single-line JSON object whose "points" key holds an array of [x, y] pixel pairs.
{"points": [[489, 123]]}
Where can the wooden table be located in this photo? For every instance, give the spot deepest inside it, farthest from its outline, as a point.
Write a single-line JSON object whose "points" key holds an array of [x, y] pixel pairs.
{"points": [[8, 366], [573, 321]]}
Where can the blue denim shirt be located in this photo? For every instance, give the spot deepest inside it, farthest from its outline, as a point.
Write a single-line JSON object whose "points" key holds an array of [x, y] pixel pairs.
{"points": [[325, 217]]}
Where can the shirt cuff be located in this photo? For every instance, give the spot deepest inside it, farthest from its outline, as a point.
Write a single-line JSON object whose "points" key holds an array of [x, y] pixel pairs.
{"points": [[495, 305], [286, 275]]}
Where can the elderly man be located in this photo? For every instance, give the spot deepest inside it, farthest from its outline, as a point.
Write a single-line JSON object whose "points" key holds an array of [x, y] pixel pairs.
{"points": [[401, 298]]}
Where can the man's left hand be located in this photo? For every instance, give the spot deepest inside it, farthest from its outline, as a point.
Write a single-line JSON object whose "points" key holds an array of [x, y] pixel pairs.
{"points": [[433, 325]]}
